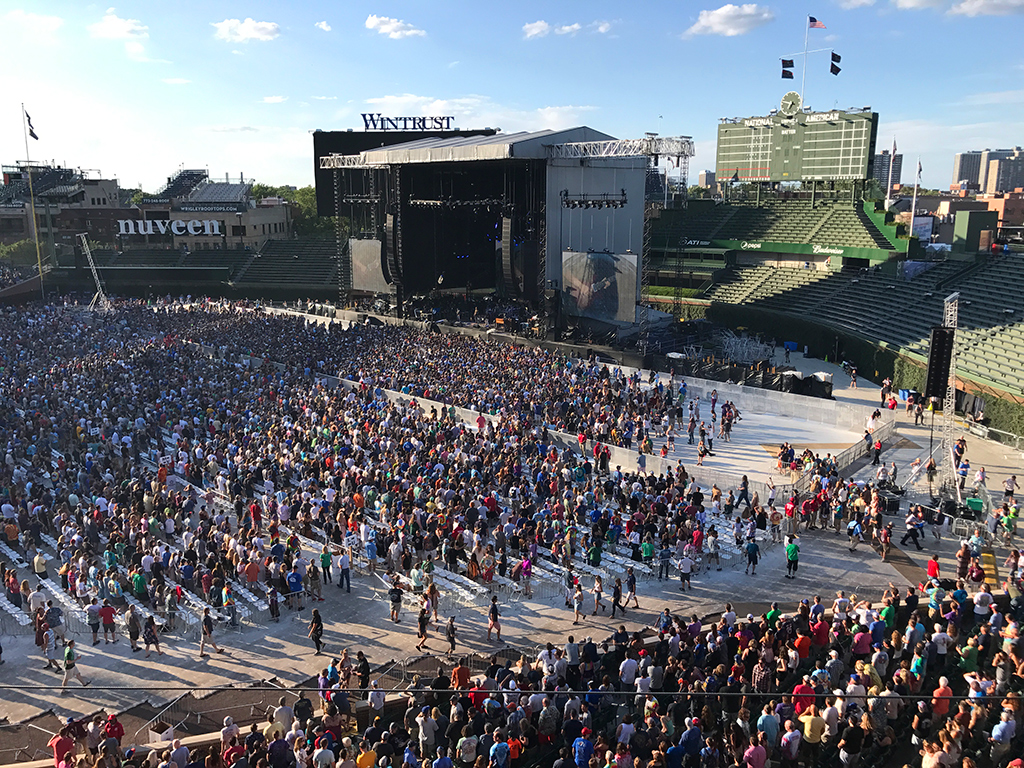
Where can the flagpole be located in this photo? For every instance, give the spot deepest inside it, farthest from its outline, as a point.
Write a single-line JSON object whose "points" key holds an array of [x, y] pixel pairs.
{"points": [[803, 72], [32, 203], [913, 204], [888, 181]]}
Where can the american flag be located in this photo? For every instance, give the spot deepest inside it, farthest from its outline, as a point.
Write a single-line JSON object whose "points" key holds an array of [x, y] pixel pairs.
{"points": [[815, 24]]}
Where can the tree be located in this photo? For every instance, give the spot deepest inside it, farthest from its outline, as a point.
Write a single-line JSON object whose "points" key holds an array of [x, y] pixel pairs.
{"points": [[21, 252], [305, 219]]}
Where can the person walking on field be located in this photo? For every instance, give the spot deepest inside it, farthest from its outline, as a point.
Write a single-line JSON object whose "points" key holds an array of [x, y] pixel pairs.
{"points": [[449, 635], [207, 636], [597, 590], [493, 624], [631, 588], [423, 624], [316, 631], [149, 636], [792, 557], [617, 598], [71, 666]]}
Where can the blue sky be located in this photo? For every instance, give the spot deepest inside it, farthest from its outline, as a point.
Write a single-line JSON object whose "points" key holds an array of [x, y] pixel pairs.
{"points": [[139, 89]]}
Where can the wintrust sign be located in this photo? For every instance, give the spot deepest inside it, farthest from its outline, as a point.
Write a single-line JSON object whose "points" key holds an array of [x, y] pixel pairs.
{"points": [[161, 227], [375, 121]]}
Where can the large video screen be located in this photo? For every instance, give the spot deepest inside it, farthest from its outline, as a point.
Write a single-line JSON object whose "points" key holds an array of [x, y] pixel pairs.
{"points": [[367, 269], [600, 286], [816, 146]]}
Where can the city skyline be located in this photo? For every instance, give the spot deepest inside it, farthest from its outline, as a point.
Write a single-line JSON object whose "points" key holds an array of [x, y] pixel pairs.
{"points": [[137, 91]]}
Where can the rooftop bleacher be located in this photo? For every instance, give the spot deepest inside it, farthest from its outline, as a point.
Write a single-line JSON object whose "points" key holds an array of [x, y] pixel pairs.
{"points": [[220, 192], [182, 183]]}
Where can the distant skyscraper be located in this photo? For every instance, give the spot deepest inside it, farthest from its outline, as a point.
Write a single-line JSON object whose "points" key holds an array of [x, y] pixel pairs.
{"points": [[880, 169], [1006, 174], [966, 166], [706, 179]]}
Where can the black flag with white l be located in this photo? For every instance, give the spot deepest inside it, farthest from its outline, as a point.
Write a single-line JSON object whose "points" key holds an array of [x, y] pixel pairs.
{"points": [[31, 130]]}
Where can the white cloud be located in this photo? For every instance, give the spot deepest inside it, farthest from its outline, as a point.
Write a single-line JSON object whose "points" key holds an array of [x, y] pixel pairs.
{"points": [[731, 20], [396, 29], [602, 27], [476, 110], [274, 99], [112, 27], [1005, 98], [831, 38], [323, 25], [238, 53], [568, 29], [175, 81], [38, 28], [536, 29], [916, 5], [325, 98], [233, 129], [850, 4], [238, 31], [453, 64], [988, 7]]}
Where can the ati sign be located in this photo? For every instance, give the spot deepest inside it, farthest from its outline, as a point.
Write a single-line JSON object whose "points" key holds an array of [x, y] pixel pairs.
{"points": [[375, 121], [176, 227]]}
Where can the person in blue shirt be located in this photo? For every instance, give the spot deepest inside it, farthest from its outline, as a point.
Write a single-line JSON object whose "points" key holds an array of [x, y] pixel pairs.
{"points": [[583, 749], [442, 761], [692, 739], [294, 580], [499, 751]]}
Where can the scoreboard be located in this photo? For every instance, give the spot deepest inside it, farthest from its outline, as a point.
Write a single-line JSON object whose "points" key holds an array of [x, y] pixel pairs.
{"points": [[800, 146]]}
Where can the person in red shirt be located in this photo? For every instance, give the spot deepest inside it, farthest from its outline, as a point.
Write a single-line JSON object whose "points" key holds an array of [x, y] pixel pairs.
{"points": [[107, 614], [940, 698], [933, 567], [803, 695], [802, 643], [113, 729]]}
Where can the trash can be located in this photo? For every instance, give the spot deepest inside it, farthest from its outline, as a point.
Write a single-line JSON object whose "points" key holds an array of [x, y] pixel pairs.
{"points": [[975, 505]]}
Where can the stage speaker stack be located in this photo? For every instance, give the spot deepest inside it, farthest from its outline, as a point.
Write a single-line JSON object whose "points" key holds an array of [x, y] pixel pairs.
{"points": [[939, 355], [507, 269], [394, 268]]}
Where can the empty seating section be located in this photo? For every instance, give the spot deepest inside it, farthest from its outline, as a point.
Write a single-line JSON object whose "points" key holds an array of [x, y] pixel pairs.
{"points": [[845, 227], [292, 262], [182, 183], [756, 284], [233, 259], [697, 222], [873, 305], [773, 221], [146, 257], [220, 192]]}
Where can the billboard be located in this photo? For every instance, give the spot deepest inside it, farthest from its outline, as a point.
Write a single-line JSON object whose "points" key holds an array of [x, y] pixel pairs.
{"points": [[367, 268], [600, 286], [807, 146]]}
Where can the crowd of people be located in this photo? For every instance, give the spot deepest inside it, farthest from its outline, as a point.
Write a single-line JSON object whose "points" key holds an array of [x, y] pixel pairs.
{"points": [[276, 456]]}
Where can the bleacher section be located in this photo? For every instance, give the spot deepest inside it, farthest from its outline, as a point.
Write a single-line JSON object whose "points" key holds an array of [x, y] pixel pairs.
{"points": [[293, 262], [220, 192], [233, 259], [182, 183], [874, 305], [827, 223]]}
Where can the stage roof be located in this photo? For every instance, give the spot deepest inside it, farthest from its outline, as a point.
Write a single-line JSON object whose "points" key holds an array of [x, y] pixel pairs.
{"points": [[529, 145]]}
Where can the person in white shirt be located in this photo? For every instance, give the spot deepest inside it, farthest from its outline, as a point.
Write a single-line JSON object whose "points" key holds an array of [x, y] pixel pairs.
{"points": [[627, 672]]}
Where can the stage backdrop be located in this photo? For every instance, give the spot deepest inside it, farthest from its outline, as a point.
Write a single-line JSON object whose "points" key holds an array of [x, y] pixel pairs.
{"points": [[367, 270]]}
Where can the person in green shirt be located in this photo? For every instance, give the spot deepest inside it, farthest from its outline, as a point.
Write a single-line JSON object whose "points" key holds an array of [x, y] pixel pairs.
{"points": [[70, 666], [139, 584], [969, 656], [325, 564], [792, 557], [773, 615], [888, 614]]}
